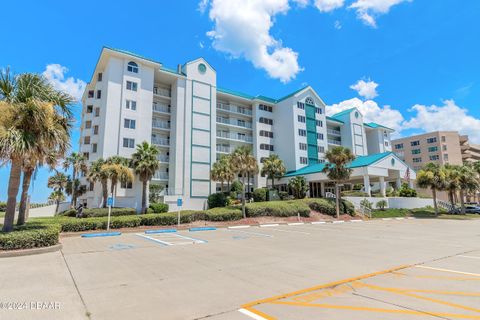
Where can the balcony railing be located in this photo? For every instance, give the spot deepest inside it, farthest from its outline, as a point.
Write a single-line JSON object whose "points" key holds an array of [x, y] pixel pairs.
{"points": [[233, 122], [334, 132], [160, 175], [160, 124], [161, 141], [223, 149], [335, 142], [162, 91], [160, 107], [234, 136], [234, 108], [163, 158]]}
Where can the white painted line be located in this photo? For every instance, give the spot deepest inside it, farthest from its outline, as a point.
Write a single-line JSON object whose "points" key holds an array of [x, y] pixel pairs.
{"points": [[253, 233], [341, 221], [356, 220], [448, 270], [295, 224], [289, 231], [193, 239], [399, 218], [269, 225], [470, 257], [318, 222], [238, 227], [387, 219], [153, 239], [251, 314]]}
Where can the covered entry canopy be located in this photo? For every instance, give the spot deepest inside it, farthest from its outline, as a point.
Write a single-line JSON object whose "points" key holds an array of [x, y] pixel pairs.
{"points": [[375, 168]]}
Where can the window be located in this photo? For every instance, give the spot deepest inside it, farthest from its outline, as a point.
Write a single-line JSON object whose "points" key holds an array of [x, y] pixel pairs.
{"points": [[302, 132], [434, 157], [318, 110], [265, 120], [416, 160], [432, 149], [319, 123], [444, 147], [241, 123], [86, 155], [444, 138], [319, 136], [265, 108], [94, 148], [132, 86], [97, 112], [302, 146], [301, 105], [445, 157], [91, 93], [86, 140], [321, 160], [99, 77], [385, 134], [132, 67], [301, 119], [399, 146], [88, 124], [128, 143], [400, 154], [129, 123], [415, 143], [432, 140], [386, 143], [264, 146], [95, 129], [267, 134], [89, 109], [126, 185], [416, 151], [303, 160], [309, 101], [99, 94], [131, 104], [92, 185], [321, 149]]}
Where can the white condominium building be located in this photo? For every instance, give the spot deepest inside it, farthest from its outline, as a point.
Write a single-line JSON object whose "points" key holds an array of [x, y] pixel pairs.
{"points": [[131, 99]]}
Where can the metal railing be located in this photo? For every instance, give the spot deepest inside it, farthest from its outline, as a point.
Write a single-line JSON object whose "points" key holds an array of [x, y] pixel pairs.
{"points": [[223, 149], [162, 91], [160, 124], [160, 175], [333, 131], [234, 136], [335, 142], [161, 141], [163, 158], [234, 108], [365, 211], [160, 107], [232, 122]]}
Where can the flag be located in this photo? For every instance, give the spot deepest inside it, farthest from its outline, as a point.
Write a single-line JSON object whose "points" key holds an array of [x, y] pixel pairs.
{"points": [[407, 175]]}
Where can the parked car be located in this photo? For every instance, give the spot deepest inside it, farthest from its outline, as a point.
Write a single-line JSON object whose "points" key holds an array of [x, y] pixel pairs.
{"points": [[472, 209]]}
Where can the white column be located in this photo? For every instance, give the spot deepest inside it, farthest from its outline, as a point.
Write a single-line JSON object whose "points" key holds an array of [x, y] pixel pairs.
{"points": [[410, 183], [382, 186], [366, 184], [398, 183], [322, 184]]}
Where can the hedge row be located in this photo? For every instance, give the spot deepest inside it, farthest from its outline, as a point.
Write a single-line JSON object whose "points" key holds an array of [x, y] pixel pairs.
{"points": [[100, 212], [277, 209], [328, 206], [32, 235], [159, 207]]}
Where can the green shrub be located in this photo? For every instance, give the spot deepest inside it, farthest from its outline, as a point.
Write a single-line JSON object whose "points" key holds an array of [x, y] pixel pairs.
{"points": [[30, 236], [367, 204], [381, 204], [236, 187], [100, 212], [328, 206], [216, 200], [277, 209], [354, 193], [284, 195], [406, 191], [159, 207], [224, 214], [260, 194], [3, 206], [77, 225]]}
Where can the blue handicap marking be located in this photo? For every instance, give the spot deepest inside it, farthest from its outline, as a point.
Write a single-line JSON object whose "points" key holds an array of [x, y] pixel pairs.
{"points": [[179, 202], [109, 201], [122, 246], [240, 237]]}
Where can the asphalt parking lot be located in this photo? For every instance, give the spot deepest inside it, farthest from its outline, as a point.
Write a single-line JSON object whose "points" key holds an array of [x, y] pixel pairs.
{"points": [[398, 269]]}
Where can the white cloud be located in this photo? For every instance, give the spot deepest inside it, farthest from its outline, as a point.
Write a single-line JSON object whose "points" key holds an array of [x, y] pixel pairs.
{"points": [[328, 5], [301, 3], [242, 29], [366, 89], [449, 116], [367, 10], [337, 25], [202, 5], [55, 74]]}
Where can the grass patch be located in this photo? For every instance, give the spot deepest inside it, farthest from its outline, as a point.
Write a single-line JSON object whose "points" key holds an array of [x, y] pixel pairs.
{"points": [[2, 214], [34, 234], [421, 213], [390, 213]]}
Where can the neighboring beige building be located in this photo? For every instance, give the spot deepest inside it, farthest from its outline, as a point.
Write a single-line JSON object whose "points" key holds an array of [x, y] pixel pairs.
{"points": [[440, 147]]}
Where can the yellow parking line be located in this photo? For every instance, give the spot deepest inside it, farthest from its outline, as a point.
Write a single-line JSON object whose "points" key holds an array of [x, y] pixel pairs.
{"points": [[378, 310], [448, 270]]}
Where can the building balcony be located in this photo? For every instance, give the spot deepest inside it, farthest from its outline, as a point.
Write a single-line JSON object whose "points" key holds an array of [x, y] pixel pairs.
{"points": [[223, 149], [163, 158], [335, 142], [161, 142], [161, 107], [162, 92], [162, 125], [235, 136], [234, 122], [160, 175], [334, 132], [234, 109]]}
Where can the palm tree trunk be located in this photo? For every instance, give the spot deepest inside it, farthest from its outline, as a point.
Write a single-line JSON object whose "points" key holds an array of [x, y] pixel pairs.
{"points": [[105, 193], [73, 201], [57, 205], [337, 201], [273, 182], [144, 197], [434, 194], [248, 183], [27, 177], [243, 197], [221, 186], [462, 201], [13, 186], [228, 186]]}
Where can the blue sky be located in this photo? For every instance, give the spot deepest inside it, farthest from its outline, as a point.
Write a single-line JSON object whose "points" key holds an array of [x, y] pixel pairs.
{"points": [[412, 65]]}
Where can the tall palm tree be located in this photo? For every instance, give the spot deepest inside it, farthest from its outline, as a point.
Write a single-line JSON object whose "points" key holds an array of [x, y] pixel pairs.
{"points": [[97, 173], [145, 163], [337, 169], [273, 168], [217, 173], [467, 182], [476, 168], [244, 164], [78, 163], [58, 183], [299, 187], [58, 197], [432, 176], [229, 171], [34, 119], [451, 182], [118, 171]]}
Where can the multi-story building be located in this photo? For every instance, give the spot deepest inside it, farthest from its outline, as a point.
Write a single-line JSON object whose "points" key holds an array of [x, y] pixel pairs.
{"points": [[440, 147], [131, 99]]}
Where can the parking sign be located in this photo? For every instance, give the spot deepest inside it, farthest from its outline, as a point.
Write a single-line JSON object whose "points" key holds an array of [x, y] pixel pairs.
{"points": [[179, 202], [109, 201]]}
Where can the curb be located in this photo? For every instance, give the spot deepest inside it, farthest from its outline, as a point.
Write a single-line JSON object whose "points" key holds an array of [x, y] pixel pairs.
{"points": [[30, 252]]}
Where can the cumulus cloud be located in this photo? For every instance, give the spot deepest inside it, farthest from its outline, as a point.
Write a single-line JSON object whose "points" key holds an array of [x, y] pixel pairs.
{"points": [[242, 29], [55, 74], [448, 116], [328, 5], [366, 89], [367, 10]]}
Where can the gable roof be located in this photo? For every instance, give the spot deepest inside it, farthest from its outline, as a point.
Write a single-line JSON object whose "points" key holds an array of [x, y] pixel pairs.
{"points": [[131, 54], [374, 125], [333, 119], [344, 112]]}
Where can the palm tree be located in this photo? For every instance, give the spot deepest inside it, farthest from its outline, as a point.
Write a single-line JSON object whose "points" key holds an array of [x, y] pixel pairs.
{"points": [[243, 164], [58, 183], [451, 182], [467, 182], [337, 169], [432, 176], [78, 162], [217, 173], [476, 168], [118, 170], [34, 119], [273, 167], [58, 197], [145, 163], [97, 173], [299, 187]]}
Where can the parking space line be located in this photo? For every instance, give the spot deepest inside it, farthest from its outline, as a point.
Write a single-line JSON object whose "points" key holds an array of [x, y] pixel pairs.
{"points": [[269, 225], [471, 257], [255, 314], [448, 270], [253, 233], [153, 239], [289, 231], [436, 277], [193, 239]]}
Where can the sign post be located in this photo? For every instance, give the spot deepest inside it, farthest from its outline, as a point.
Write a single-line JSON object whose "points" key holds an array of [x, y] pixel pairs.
{"points": [[109, 204], [179, 205]]}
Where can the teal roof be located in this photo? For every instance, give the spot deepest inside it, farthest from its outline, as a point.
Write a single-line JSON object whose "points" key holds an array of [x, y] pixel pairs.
{"points": [[360, 161], [236, 93], [260, 97], [376, 126], [344, 112], [132, 54], [292, 94], [172, 71], [333, 119]]}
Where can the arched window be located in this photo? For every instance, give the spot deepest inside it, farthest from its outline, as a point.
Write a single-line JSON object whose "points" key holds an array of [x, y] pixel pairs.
{"points": [[132, 67], [309, 101]]}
